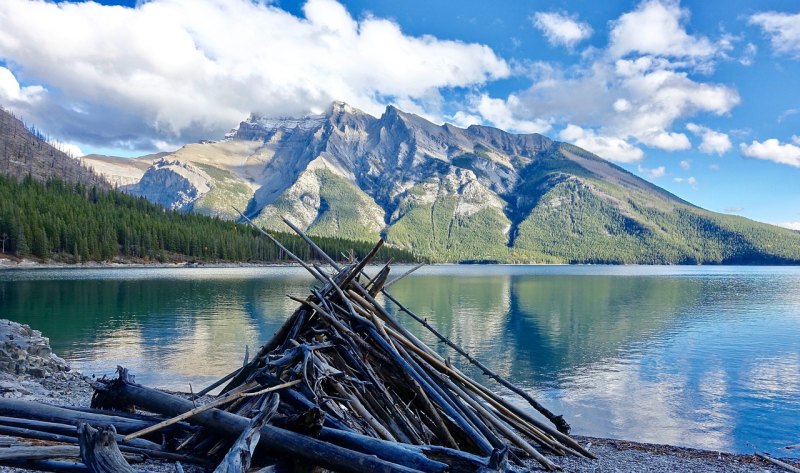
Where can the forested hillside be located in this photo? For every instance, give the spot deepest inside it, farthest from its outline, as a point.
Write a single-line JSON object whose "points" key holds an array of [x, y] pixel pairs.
{"points": [[74, 222]]}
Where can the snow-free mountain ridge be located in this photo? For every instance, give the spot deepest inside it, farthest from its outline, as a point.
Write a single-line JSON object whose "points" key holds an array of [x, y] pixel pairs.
{"points": [[448, 193]]}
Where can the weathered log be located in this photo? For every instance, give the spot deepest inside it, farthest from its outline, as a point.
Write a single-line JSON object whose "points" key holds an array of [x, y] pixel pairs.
{"points": [[275, 440], [54, 466], [135, 452], [197, 410], [239, 457], [28, 453], [60, 415], [780, 463], [63, 430]]}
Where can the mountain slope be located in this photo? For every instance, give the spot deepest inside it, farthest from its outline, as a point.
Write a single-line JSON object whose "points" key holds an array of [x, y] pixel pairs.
{"points": [[24, 152], [454, 194]]}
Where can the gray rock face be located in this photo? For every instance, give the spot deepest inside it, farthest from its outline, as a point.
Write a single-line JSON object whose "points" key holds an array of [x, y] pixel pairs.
{"points": [[173, 184], [387, 156], [24, 351]]}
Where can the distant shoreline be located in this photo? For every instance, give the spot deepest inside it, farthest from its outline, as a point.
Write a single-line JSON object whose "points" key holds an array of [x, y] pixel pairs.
{"points": [[14, 263]]}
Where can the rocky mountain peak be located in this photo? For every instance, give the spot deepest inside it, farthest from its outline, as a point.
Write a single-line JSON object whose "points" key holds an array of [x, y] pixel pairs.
{"points": [[447, 192]]}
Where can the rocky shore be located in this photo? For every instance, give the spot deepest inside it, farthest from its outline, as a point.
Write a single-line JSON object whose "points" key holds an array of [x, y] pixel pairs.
{"points": [[30, 370]]}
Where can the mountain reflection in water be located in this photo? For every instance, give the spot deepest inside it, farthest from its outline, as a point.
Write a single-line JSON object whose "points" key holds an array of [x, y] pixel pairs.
{"points": [[700, 356]]}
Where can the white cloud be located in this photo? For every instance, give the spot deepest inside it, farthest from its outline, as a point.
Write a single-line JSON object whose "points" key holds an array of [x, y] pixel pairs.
{"points": [[712, 141], [71, 149], [686, 164], [12, 93], [790, 225], [714, 166], [773, 150], [561, 29], [638, 99], [180, 70], [611, 148], [796, 139], [656, 27], [665, 140], [783, 30], [692, 181], [654, 173], [464, 119], [500, 113]]}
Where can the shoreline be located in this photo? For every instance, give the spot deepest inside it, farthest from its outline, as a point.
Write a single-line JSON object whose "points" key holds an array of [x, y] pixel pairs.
{"points": [[47, 378], [27, 264]]}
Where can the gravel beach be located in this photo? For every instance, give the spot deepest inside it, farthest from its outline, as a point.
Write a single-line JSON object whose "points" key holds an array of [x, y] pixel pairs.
{"points": [[29, 370]]}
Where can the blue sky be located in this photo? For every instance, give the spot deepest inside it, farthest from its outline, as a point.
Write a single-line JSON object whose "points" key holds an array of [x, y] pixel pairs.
{"points": [[701, 98]]}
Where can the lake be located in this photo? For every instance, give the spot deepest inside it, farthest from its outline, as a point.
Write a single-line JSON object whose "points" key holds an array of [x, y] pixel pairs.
{"points": [[706, 357]]}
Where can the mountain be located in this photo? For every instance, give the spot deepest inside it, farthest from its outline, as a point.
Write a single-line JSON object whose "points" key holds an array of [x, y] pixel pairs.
{"points": [[450, 194], [54, 207], [24, 152]]}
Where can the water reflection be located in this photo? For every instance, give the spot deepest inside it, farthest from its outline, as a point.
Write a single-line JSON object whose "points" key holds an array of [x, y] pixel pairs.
{"points": [[172, 327], [704, 357]]}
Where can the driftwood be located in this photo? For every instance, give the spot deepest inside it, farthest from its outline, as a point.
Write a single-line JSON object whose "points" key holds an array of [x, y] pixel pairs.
{"points": [[62, 415], [55, 466], [779, 463], [64, 430], [239, 457], [38, 453], [342, 385], [273, 439], [99, 451]]}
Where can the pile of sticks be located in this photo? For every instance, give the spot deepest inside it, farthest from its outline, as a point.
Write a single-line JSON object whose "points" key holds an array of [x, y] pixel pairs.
{"points": [[344, 386]]}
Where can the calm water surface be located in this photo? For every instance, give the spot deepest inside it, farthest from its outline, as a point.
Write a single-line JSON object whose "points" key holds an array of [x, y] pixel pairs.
{"points": [[705, 357]]}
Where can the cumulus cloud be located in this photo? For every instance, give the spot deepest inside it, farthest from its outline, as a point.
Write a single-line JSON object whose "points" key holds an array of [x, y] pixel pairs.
{"points": [[783, 30], [181, 70], [13, 94], [637, 99], [791, 225], [686, 164], [773, 150], [561, 28], [656, 27], [501, 113], [608, 147], [654, 173], [712, 141]]}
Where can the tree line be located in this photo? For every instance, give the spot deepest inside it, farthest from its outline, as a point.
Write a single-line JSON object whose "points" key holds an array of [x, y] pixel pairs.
{"points": [[75, 223]]}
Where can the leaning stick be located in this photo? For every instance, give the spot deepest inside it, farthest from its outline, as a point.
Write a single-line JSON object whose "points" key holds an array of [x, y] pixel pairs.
{"points": [[206, 407], [403, 275], [781, 464], [280, 245]]}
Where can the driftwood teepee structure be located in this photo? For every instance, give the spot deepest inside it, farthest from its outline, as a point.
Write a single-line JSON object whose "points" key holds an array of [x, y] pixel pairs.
{"points": [[344, 386]]}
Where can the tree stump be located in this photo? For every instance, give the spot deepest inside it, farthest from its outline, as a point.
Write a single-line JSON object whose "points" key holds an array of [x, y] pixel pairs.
{"points": [[99, 450]]}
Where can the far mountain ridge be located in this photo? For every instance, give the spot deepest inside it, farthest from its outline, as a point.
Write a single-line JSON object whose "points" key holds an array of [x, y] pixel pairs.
{"points": [[449, 193]]}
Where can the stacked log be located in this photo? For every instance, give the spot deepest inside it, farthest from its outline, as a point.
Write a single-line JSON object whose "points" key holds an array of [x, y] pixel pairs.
{"points": [[342, 385]]}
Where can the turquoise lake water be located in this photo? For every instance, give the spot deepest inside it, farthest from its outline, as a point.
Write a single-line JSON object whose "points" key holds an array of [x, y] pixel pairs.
{"points": [[705, 357]]}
